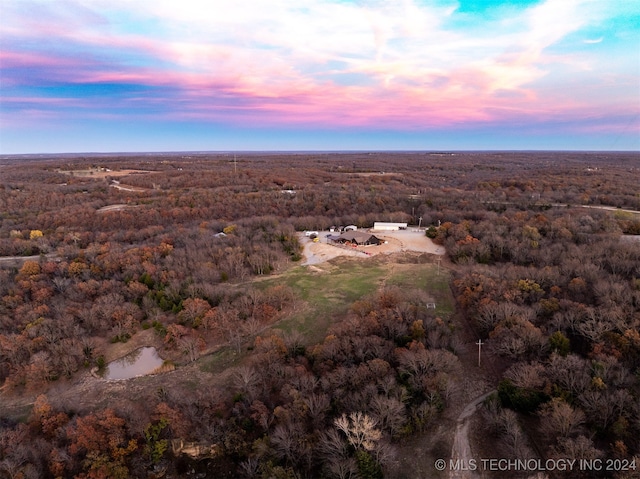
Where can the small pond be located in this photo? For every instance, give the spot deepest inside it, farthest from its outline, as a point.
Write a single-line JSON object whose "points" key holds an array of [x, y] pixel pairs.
{"points": [[139, 363]]}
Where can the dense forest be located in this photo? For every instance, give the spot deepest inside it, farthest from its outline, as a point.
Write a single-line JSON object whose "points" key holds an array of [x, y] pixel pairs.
{"points": [[543, 256]]}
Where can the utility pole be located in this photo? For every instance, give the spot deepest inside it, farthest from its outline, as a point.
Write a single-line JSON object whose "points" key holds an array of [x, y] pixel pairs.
{"points": [[235, 165], [479, 343]]}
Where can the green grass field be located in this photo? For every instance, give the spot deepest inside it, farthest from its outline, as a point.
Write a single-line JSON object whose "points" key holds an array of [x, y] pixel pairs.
{"points": [[427, 278], [225, 358], [329, 289], [327, 292]]}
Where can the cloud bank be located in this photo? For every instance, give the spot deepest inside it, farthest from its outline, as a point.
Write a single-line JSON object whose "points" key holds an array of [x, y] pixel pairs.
{"points": [[404, 65]]}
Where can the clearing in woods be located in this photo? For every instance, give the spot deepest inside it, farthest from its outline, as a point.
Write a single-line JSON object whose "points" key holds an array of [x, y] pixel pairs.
{"points": [[327, 290], [99, 173]]}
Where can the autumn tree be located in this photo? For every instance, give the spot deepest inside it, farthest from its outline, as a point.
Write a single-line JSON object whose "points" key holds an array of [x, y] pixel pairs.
{"points": [[101, 440]]}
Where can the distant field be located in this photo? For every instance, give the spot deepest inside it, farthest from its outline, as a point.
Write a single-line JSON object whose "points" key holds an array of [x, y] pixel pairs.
{"points": [[101, 172], [118, 207], [376, 173]]}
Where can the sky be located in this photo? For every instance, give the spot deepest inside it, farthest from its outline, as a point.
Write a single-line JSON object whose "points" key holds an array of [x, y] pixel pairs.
{"points": [[221, 75]]}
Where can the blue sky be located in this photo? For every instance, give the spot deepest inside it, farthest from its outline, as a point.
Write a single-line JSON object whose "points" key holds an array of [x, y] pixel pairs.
{"points": [[115, 75]]}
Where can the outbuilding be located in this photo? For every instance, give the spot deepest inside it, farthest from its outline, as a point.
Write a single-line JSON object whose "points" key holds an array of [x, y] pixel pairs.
{"points": [[382, 226]]}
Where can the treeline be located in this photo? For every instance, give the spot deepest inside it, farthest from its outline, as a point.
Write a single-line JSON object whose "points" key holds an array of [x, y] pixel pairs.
{"points": [[556, 296], [341, 189]]}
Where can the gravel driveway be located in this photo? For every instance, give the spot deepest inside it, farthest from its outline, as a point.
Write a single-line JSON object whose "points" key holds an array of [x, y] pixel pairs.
{"points": [[396, 241]]}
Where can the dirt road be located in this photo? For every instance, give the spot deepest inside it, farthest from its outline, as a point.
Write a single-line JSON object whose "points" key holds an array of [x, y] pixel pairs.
{"points": [[461, 449], [118, 207], [17, 261], [129, 188]]}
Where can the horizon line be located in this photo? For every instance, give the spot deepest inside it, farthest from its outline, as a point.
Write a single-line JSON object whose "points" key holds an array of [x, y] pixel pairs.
{"points": [[297, 152]]}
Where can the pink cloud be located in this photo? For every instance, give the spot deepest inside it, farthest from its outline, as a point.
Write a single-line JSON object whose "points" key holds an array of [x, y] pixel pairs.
{"points": [[249, 66], [258, 96]]}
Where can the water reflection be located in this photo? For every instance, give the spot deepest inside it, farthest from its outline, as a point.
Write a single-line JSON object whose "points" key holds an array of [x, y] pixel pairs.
{"points": [[140, 362]]}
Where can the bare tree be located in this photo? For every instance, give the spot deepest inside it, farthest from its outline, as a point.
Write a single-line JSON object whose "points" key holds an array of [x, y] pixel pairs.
{"points": [[261, 414], [343, 468], [294, 341], [389, 413], [559, 419], [569, 372], [526, 375], [384, 453], [249, 468], [288, 442], [232, 328], [191, 346], [332, 445], [360, 430], [593, 326], [246, 379], [579, 448], [512, 434], [602, 407], [519, 338], [612, 373], [317, 406]]}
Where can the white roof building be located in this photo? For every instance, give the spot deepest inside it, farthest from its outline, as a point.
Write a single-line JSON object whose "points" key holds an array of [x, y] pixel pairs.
{"points": [[382, 226]]}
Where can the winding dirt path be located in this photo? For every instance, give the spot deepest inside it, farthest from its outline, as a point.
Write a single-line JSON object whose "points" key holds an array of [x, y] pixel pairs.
{"points": [[461, 449], [16, 261]]}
